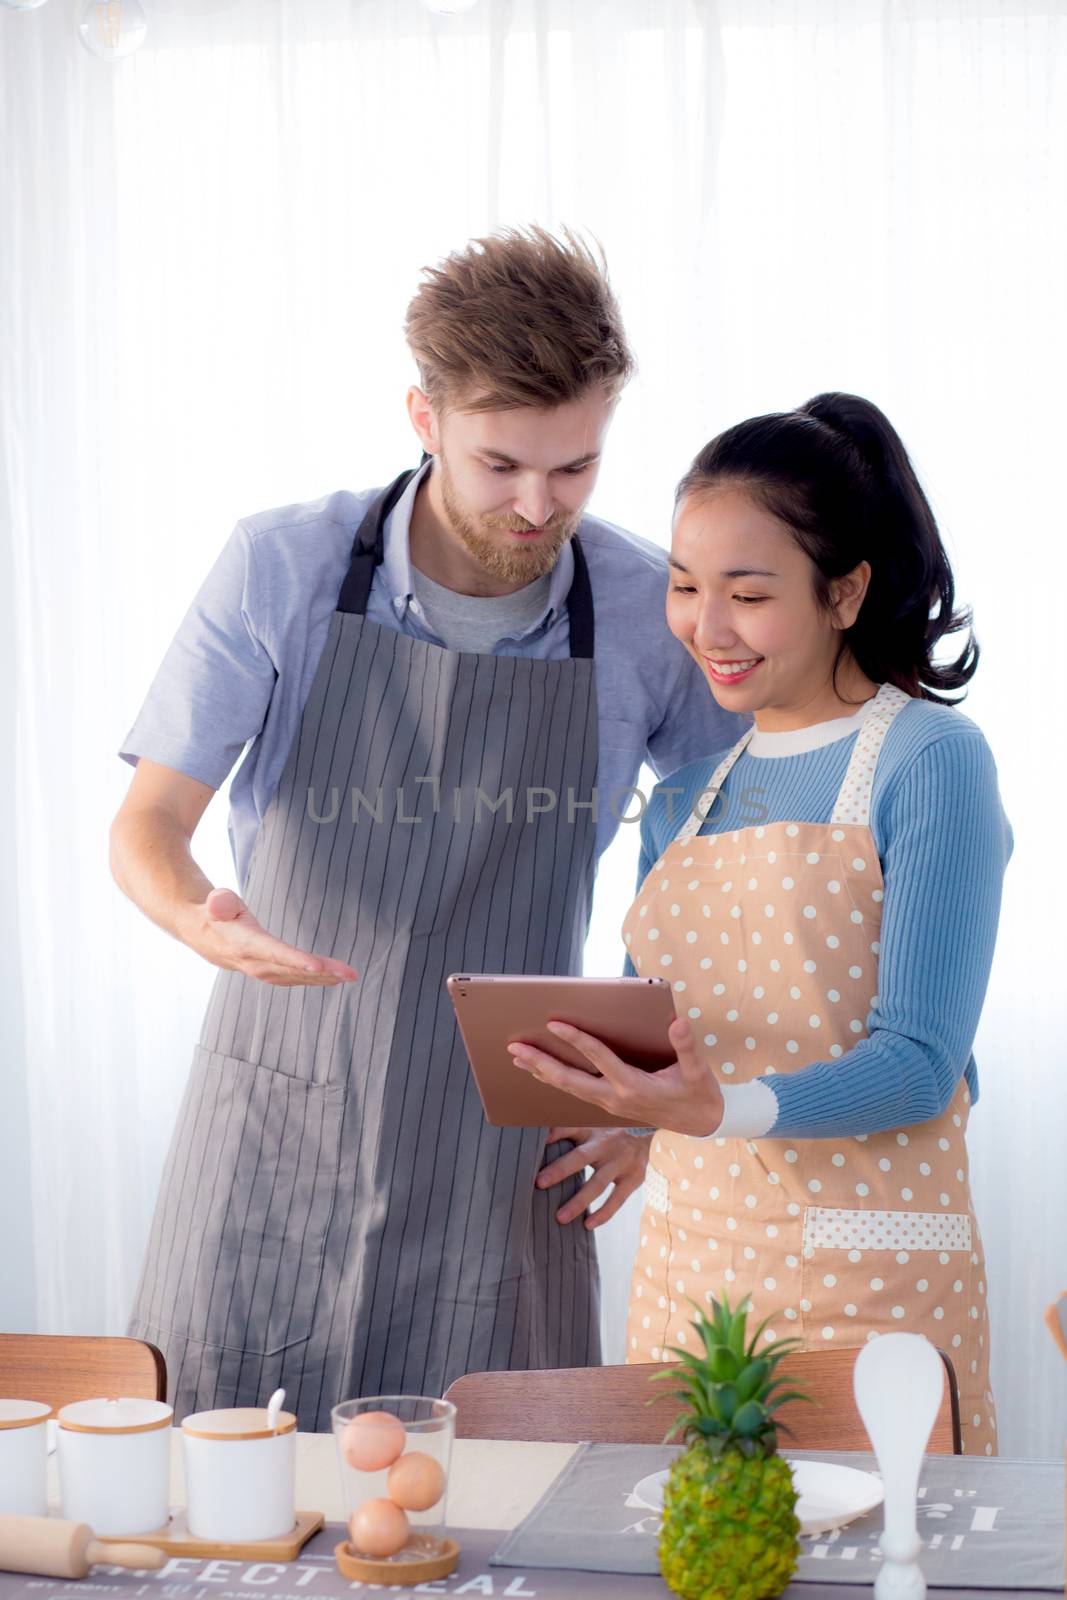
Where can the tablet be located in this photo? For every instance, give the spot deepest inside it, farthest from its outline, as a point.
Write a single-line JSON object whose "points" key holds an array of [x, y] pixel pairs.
{"points": [[631, 1016]]}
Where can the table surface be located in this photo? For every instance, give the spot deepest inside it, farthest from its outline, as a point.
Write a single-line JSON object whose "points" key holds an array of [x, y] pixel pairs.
{"points": [[493, 1483]]}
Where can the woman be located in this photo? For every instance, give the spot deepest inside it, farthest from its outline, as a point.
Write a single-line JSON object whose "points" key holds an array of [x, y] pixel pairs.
{"points": [[826, 913]]}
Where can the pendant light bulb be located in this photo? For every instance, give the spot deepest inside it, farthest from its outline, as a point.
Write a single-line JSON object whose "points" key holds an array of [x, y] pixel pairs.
{"points": [[449, 8], [23, 5], [112, 29]]}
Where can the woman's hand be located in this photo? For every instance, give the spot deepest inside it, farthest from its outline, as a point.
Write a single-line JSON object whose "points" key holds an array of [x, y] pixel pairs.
{"points": [[684, 1097], [618, 1159]]}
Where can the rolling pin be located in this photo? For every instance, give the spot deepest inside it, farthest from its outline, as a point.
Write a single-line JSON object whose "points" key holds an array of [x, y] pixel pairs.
{"points": [[57, 1549]]}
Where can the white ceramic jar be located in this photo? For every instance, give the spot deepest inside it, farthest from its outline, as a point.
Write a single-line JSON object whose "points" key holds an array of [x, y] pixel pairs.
{"points": [[240, 1475], [114, 1465], [24, 1457]]}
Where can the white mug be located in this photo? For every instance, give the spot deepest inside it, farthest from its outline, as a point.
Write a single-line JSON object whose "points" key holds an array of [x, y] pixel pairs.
{"points": [[24, 1457], [114, 1465], [240, 1475]]}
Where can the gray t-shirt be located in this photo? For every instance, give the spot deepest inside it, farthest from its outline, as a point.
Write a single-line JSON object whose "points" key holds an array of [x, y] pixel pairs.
{"points": [[478, 622]]}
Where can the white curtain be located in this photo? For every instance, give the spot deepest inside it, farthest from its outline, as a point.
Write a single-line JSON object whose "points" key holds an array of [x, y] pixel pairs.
{"points": [[205, 252]]}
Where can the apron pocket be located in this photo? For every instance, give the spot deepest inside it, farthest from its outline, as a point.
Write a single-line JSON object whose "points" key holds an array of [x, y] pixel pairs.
{"points": [[827, 1227], [866, 1272], [247, 1199]]}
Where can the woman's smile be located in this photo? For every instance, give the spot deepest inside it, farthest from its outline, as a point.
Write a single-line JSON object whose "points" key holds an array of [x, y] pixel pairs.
{"points": [[732, 671]]}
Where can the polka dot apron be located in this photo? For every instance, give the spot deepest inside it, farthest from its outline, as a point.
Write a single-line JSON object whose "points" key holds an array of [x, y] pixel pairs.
{"points": [[770, 938]]}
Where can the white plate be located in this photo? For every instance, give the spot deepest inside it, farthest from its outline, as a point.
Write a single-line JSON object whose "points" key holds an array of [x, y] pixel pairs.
{"points": [[829, 1495]]}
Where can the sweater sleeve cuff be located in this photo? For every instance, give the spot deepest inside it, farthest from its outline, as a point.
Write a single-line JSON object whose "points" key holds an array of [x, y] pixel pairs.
{"points": [[751, 1110]]}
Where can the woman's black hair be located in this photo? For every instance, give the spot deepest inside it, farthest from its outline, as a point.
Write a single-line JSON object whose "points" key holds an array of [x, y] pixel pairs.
{"points": [[837, 475]]}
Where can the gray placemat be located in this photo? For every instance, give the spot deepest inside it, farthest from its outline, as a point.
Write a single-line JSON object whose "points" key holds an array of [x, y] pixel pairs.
{"points": [[313, 1573], [985, 1524]]}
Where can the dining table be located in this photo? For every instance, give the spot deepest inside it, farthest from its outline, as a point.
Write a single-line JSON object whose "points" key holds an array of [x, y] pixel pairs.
{"points": [[494, 1486]]}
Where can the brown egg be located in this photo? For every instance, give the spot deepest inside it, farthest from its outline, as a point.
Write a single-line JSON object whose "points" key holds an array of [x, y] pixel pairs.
{"points": [[372, 1441], [379, 1528], [416, 1481]]}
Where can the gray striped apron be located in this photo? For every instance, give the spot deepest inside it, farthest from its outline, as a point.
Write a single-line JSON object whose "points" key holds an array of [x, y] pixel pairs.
{"points": [[336, 1216]]}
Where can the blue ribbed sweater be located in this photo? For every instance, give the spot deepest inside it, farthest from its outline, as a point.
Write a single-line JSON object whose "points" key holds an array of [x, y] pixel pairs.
{"points": [[943, 841]]}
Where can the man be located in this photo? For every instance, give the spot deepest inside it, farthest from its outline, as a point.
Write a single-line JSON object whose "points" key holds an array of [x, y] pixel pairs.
{"points": [[446, 689]]}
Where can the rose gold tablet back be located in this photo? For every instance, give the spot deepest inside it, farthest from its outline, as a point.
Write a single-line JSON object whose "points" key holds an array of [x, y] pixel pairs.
{"points": [[630, 1015]]}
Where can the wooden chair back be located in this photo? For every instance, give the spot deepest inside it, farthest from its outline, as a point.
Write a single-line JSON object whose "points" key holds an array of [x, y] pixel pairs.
{"points": [[609, 1405], [58, 1368]]}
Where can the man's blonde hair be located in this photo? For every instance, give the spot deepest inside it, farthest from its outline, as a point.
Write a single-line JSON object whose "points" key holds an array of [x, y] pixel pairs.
{"points": [[520, 318]]}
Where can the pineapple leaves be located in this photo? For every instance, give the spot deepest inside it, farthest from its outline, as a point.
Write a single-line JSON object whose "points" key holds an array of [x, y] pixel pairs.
{"points": [[681, 1421], [725, 1402], [729, 1388], [774, 1388], [752, 1380], [723, 1365], [750, 1420], [735, 1338], [782, 1399]]}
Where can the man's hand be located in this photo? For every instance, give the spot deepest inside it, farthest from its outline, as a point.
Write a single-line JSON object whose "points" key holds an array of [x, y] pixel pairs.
{"points": [[224, 932], [618, 1160], [152, 862], [684, 1097]]}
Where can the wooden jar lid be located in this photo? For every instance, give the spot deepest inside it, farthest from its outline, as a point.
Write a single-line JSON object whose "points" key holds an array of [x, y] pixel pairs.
{"points": [[23, 1413], [115, 1416], [236, 1422]]}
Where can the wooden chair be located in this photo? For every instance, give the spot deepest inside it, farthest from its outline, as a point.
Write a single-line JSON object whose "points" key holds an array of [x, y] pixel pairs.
{"points": [[57, 1368], [608, 1405]]}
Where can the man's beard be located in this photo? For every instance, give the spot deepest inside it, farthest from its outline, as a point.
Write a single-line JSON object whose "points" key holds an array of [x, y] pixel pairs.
{"points": [[512, 563]]}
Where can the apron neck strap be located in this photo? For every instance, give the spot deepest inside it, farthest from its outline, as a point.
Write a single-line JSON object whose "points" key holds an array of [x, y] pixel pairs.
{"points": [[853, 803], [710, 793], [368, 551], [580, 606], [368, 548], [854, 800]]}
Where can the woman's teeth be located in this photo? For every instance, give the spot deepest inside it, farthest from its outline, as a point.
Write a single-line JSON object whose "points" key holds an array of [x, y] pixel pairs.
{"points": [[729, 669]]}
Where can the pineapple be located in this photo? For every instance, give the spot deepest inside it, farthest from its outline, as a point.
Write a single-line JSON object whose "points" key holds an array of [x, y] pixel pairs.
{"points": [[729, 1507]]}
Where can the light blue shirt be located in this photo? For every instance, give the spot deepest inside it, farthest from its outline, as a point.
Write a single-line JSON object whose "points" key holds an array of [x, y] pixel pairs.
{"points": [[239, 670]]}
